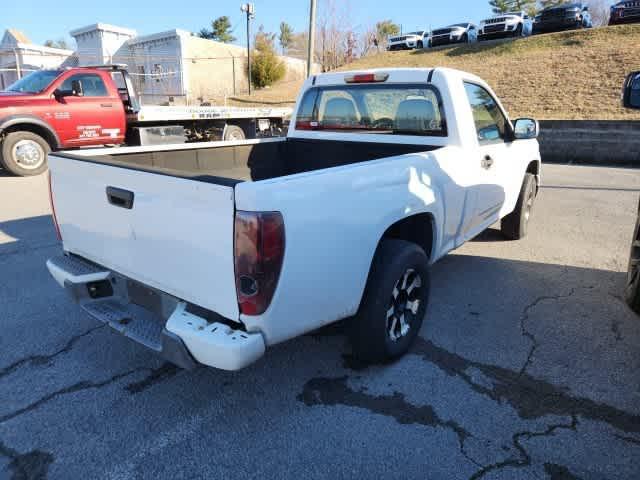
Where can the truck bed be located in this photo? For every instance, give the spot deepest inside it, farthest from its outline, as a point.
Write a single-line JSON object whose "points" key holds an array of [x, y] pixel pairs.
{"points": [[228, 164]]}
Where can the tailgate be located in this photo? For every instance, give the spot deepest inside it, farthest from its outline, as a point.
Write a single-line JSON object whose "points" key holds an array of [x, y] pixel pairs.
{"points": [[177, 235]]}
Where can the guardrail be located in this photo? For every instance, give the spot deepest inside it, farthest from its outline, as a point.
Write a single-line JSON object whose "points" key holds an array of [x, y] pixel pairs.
{"points": [[605, 142]]}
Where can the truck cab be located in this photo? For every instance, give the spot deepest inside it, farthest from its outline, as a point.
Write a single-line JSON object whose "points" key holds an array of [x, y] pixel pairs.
{"points": [[52, 109]]}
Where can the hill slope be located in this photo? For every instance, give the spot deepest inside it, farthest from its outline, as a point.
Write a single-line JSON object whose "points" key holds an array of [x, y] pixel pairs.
{"points": [[568, 75]]}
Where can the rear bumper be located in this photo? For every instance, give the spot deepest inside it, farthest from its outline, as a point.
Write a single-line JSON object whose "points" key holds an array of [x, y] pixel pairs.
{"points": [[169, 328]]}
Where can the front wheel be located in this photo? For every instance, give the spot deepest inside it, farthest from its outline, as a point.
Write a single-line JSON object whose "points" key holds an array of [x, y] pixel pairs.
{"points": [[24, 153], [420, 45], [465, 38], [515, 225], [394, 302], [519, 30], [632, 290]]}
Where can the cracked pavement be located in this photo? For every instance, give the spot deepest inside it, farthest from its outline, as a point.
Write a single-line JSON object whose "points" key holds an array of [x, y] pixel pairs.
{"points": [[527, 367]]}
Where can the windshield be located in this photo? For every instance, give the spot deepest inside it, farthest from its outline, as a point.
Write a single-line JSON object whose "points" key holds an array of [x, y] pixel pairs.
{"points": [[415, 33], [461, 25], [373, 108], [35, 82]]}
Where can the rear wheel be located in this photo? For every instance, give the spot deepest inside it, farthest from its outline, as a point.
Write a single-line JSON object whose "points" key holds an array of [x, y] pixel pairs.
{"points": [[632, 291], [394, 302], [24, 153], [515, 225], [233, 133]]}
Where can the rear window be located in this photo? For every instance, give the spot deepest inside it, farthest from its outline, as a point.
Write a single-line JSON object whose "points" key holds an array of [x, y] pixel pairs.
{"points": [[405, 109]]}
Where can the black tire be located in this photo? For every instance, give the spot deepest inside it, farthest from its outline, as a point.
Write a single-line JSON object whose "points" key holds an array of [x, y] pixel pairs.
{"points": [[519, 30], [429, 44], [33, 162], [420, 45], [233, 133], [372, 329], [514, 226], [632, 290], [464, 38]]}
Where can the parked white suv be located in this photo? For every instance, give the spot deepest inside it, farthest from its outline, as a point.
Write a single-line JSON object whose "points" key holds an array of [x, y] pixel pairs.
{"points": [[408, 41], [459, 33], [514, 24], [209, 253]]}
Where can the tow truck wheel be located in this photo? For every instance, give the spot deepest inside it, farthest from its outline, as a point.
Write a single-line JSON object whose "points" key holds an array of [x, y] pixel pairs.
{"points": [[233, 133], [394, 302], [24, 153]]}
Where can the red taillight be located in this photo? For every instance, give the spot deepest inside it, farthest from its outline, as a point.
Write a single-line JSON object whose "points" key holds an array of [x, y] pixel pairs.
{"points": [[366, 78], [306, 125], [53, 209], [258, 254]]}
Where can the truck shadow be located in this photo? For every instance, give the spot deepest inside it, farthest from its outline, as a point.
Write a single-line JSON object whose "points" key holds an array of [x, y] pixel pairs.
{"points": [[26, 233]]}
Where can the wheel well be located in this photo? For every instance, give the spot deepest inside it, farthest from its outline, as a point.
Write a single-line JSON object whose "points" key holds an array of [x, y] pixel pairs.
{"points": [[33, 128], [534, 169], [418, 229]]}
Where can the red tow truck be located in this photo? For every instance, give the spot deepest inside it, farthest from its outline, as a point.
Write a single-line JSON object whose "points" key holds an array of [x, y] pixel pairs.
{"points": [[50, 110]]}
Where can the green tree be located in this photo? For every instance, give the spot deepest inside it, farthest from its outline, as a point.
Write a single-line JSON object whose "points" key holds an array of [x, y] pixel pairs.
{"points": [[266, 67], [551, 3], [286, 36], [500, 6], [221, 30], [386, 28], [530, 7]]}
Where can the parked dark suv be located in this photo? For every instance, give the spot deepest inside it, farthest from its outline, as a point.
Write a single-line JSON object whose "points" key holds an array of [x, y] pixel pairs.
{"points": [[625, 12], [563, 17]]}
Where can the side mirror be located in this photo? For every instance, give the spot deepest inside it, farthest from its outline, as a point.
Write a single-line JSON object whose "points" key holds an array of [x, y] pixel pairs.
{"points": [[585, 9], [526, 129], [631, 91], [76, 88]]}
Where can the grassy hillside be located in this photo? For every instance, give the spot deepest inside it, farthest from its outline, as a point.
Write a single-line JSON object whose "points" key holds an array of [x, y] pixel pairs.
{"points": [[569, 75]]}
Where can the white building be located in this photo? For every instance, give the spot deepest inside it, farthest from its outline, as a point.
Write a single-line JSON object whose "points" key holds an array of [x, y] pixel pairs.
{"points": [[172, 67], [18, 56], [98, 43]]}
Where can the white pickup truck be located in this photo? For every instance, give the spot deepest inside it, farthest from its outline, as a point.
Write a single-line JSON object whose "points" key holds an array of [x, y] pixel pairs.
{"points": [[210, 253]]}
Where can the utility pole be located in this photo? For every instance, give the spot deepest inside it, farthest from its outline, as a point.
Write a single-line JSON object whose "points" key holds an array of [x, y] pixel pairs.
{"points": [[249, 9], [312, 36]]}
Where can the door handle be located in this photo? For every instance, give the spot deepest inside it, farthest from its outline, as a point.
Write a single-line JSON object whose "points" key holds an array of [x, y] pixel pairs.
{"points": [[120, 198], [106, 105], [487, 162]]}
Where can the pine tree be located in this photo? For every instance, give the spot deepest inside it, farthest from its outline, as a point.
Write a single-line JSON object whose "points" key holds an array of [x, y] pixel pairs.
{"points": [[500, 6], [551, 3], [530, 7]]}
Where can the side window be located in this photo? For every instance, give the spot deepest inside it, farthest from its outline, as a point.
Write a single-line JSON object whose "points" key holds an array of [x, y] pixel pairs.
{"points": [[92, 85], [491, 124]]}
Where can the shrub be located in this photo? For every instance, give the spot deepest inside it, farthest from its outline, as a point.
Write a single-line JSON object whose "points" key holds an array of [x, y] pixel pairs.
{"points": [[266, 67]]}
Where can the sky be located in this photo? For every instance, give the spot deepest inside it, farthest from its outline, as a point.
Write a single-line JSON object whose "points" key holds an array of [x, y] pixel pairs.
{"points": [[41, 20]]}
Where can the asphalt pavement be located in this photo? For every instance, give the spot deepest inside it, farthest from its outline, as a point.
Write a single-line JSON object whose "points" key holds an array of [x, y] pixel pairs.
{"points": [[527, 366]]}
